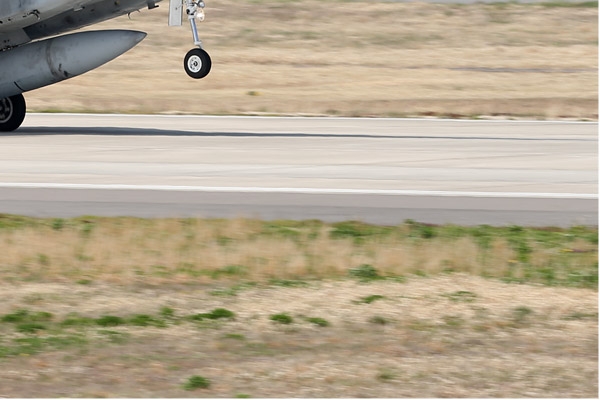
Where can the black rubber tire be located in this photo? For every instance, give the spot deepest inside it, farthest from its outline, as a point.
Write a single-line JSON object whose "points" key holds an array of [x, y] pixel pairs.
{"points": [[12, 112], [197, 63]]}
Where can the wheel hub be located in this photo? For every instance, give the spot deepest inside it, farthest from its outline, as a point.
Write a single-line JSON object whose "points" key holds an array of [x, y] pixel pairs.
{"points": [[6, 110], [195, 64]]}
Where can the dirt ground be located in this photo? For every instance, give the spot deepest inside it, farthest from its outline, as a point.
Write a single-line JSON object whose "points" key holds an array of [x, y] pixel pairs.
{"points": [[448, 336], [352, 58]]}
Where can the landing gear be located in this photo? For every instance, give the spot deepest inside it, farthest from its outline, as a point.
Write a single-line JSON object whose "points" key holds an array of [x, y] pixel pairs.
{"points": [[197, 62], [12, 112]]}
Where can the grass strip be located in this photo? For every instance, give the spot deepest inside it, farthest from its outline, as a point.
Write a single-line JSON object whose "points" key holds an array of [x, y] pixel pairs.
{"points": [[242, 253]]}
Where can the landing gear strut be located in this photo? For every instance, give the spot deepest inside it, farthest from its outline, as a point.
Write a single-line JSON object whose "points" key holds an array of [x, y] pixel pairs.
{"points": [[12, 112], [197, 62]]}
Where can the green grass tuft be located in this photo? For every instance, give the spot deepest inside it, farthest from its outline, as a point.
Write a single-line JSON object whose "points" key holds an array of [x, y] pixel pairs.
{"points": [[318, 321], [282, 318], [30, 327], [288, 282], [569, 4], [461, 296], [217, 313], [370, 299], [146, 320], [365, 272], [167, 312], [110, 320], [17, 316], [196, 382], [359, 231], [378, 320]]}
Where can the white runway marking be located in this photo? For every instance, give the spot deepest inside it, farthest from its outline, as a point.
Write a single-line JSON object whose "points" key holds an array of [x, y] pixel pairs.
{"points": [[246, 189], [271, 118]]}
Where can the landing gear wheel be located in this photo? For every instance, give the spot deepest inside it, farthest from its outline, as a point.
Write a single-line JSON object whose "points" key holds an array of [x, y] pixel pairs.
{"points": [[197, 63], [12, 112]]}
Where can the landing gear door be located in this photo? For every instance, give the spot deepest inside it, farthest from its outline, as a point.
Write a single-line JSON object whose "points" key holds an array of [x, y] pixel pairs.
{"points": [[175, 12]]}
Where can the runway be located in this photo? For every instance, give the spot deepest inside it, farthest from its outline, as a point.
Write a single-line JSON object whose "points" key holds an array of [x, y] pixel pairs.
{"points": [[375, 170]]}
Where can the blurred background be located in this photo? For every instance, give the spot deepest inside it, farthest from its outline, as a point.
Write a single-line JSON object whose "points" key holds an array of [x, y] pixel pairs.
{"points": [[353, 58]]}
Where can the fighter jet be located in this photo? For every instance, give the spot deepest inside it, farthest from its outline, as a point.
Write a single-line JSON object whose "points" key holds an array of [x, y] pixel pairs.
{"points": [[37, 51]]}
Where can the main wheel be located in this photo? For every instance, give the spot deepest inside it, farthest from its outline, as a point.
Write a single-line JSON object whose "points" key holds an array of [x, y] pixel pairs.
{"points": [[12, 112], [197, 63]]}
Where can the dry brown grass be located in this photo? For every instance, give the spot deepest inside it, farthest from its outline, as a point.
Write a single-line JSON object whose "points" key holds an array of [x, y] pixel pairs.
{"points": [[353, 58], [446, 335], [424, 338], [162, 251]]}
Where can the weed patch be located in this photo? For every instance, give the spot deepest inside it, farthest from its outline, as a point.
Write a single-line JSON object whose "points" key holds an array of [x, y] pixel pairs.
{"points": [[318, 321], [217, 313], [30, 327], [36, 344], [58, 224], [419, 230], [379, 320], [17, 316], [110, 320], [521, 316], [282, 318], [288, 283], [167, 312], [230, 270], [461, 296], [365, 273], [233, 290], [569, 4], [147, 320], [454, 321], [358, 231], [196, 382], [369, 299], [577, 316], [235, 336], [115, 337], [26, 316], [386, 375]]}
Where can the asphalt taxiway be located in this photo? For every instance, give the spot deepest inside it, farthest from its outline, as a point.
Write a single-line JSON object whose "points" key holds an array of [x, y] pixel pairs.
{"points": [[376, 170]]}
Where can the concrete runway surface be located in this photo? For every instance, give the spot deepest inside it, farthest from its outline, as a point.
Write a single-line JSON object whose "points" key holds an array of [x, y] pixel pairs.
{"points": [[375, 170]]}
